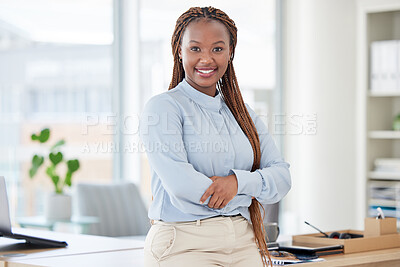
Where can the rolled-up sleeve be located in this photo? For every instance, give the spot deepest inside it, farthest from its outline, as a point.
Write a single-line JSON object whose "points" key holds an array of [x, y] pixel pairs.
{"points": [[272, 181]]}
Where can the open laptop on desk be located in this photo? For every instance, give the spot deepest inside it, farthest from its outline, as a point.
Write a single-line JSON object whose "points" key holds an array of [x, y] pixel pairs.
{"points": [[5, 223]]}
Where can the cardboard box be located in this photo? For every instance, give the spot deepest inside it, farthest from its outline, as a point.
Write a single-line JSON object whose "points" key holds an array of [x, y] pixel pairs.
{"points": [[354, 244], [377, 227]]}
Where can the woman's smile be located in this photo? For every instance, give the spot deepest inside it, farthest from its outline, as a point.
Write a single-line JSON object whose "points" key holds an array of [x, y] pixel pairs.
{"points": [[206, 72]]}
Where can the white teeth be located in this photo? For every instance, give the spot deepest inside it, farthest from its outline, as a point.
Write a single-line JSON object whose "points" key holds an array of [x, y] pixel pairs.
{"points": [[205, 71]]}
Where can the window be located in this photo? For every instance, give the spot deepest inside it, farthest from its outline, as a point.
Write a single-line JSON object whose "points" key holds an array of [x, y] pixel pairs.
{"points": [[56, 72]]}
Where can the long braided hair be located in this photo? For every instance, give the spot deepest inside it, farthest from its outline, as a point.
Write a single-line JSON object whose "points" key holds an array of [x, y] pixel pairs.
{"points": [[229, 89]]}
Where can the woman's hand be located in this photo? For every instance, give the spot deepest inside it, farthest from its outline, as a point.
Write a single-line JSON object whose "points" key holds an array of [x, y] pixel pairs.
{"points": [[222, 190]]}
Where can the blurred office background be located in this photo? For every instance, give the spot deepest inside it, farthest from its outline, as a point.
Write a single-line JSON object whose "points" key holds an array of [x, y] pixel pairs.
{"points": [[86, 68]]}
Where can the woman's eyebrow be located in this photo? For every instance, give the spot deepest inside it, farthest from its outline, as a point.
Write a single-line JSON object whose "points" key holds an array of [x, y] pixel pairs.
{"points": [[197, 42], [222, 42]]}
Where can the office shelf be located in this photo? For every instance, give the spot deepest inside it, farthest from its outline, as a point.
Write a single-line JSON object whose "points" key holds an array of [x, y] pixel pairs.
{"points": [[377, 20], [384, 94], [384, 134]]}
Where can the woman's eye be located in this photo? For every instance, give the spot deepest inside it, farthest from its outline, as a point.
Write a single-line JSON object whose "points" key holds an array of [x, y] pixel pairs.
{"points": [[218, 49], [195, 49]]}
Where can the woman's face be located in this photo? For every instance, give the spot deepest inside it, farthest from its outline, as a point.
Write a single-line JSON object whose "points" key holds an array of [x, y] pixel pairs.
{"points": [[205, 53]]}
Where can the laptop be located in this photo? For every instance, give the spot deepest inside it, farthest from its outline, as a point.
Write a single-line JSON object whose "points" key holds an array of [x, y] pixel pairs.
{"points": [[310, 249], [5, 223]]}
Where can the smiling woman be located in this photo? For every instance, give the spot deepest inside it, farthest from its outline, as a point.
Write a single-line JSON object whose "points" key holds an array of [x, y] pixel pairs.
{"points": [[255, 60], [206, 206]]}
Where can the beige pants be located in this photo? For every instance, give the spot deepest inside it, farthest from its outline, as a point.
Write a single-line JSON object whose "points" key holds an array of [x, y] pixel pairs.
{"points": [[218, 241]]}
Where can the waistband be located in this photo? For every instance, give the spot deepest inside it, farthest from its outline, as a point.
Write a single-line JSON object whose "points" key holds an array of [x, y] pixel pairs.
{"points": [[197, 222]]}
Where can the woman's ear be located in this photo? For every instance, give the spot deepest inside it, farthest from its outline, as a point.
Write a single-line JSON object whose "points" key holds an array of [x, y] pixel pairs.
{"points": [[180, 52]]}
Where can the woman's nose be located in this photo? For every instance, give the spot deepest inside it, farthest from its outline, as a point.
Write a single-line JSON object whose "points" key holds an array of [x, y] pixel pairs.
{"points": [[206, 58]]}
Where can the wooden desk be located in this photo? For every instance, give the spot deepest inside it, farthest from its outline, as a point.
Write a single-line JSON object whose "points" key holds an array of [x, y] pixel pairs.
{"points": [[384, 258]]}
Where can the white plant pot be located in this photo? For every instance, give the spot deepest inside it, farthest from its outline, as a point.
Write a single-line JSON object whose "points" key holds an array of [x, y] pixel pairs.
{"points": [[58, 207]]}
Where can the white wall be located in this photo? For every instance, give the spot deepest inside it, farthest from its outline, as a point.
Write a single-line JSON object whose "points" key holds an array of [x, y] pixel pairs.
{"points": [[319, 78]]}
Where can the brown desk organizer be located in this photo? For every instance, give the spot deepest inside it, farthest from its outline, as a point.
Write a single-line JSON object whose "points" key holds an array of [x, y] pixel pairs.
{"points": [[378, 234]]}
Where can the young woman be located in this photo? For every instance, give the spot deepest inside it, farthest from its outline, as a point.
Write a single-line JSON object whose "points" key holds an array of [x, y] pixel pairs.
{"points": [[212, 160]]}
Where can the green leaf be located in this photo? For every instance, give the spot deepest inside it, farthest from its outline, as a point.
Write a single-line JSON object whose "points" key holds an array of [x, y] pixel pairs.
{"points": [[59, 143], [34, 137], [50, 171], [68, 179], [37, 161], [56, 158], [44, 135], [73, 165], [32, 171]]}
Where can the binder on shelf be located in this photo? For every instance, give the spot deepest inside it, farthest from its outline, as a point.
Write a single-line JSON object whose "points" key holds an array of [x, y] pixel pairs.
{"points": [[389, 65], [375, 66], [385, 66]]}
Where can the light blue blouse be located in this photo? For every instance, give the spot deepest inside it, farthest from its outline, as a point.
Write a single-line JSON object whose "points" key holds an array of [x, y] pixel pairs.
{"points": [[189, 137]]}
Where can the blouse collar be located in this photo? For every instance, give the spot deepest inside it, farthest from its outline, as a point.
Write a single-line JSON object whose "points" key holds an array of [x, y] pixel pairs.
{"points": [[200, 98]]}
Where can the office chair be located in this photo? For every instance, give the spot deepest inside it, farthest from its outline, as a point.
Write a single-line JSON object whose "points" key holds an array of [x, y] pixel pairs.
{"points": [[271, 213], [119, 207]]}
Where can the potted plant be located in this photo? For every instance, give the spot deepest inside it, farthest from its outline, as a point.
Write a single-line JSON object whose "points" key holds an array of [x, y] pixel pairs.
{"points": [[396, 123], [58, 204]]}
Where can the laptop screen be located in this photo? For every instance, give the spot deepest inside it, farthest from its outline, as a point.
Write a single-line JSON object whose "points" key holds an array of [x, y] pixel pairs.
{"points": [[5, 223]]}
